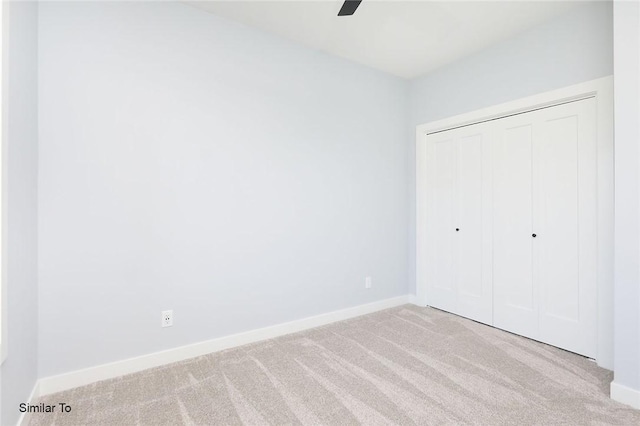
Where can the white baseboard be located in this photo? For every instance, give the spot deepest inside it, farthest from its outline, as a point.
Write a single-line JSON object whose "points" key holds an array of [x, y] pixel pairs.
{"points": [[625, 395], [59, 383], [35, 394]]}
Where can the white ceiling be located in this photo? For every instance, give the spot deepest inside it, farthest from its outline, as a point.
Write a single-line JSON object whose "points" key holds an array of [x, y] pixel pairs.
{"points": [[404, 38]]}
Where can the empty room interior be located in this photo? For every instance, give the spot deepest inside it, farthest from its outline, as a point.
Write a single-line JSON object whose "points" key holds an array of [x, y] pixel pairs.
{"points": [[329, 212]]}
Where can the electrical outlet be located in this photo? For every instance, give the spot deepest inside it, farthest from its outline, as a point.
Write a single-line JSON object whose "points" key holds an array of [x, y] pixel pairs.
{"points": [[367, 282], [167, 318]]}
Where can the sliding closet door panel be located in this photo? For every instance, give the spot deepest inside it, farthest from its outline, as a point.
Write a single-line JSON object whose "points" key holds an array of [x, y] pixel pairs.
{"points": [[515, 295], [458, 228], [566, 224], [442, 150], [473, 196]]}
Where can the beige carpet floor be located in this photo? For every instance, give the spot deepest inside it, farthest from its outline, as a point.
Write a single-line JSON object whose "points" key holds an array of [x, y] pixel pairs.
{"points": [[405, 366]]}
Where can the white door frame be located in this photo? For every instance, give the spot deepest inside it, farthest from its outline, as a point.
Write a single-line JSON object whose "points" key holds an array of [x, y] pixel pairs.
{"points": [[602, 90]]}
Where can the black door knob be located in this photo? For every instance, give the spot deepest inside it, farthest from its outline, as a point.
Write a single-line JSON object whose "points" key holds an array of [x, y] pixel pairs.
{"points": [[457, 229], [533, 235]]}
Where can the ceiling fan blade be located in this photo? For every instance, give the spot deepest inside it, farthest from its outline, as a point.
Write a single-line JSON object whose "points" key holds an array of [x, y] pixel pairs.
{"points": [[349, 7]]}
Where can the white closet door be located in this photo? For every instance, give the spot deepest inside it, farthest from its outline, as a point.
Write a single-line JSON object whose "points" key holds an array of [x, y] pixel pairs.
{"points": [[459, 277], [440, 226], [545, 226], [566, 225], [515, 296]]}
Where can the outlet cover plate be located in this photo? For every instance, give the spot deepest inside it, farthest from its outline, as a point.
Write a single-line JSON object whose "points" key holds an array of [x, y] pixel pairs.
{"points": [[167, 318]]}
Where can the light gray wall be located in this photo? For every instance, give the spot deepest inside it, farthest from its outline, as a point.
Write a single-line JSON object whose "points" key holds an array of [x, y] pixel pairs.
{"points": [[570, 49], [627, 211], [191, 163], [20, 161]]}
